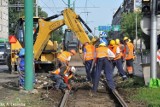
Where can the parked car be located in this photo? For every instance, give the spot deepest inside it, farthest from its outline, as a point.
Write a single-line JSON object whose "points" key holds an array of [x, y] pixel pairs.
{"points": [[4, 52]]}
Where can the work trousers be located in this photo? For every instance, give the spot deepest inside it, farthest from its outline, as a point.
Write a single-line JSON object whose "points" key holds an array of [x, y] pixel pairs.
{"points": [[60, 64], [118, 64], [88, 65], [129, 63], [106, 64], [59, 82]]}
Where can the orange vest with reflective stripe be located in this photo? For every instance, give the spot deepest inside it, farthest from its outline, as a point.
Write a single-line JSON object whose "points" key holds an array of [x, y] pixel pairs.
{"points": [[57, 71], [64, 56], [101, 52], [114, 49], [67, 72], [89, 52], [129, 53]]}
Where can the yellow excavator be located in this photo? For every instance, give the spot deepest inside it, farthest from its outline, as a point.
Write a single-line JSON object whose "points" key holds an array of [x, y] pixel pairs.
{"points": [[45, 51]]}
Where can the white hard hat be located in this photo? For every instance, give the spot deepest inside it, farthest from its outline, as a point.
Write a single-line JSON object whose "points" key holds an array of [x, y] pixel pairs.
{"points": [[73, 69]]}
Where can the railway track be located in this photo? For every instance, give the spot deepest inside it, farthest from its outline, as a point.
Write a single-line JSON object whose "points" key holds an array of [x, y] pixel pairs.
{"points": [[82, 99]]}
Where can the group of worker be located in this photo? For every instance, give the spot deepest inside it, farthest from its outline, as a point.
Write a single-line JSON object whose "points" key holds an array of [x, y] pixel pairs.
{"points": [[105, 57], [99, 58]]}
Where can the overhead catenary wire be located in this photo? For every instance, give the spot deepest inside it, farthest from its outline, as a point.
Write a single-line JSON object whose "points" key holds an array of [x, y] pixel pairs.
{"points": [[47, 6]]}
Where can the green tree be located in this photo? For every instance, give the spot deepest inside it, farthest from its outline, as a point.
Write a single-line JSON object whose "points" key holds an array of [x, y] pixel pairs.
{"points": [[57, 35], [128, 25], [15, 13]]}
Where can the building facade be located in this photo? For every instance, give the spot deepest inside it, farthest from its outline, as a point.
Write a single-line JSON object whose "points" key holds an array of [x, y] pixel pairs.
{"points": [[126, 7], [4, 19]]}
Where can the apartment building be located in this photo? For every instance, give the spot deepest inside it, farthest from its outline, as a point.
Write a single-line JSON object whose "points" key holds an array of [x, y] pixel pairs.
{"points": [[4, 19], [126, 6]]}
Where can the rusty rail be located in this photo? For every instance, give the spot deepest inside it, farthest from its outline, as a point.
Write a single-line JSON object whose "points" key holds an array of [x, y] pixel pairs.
{"points": [[119, 98], [65, 98]]}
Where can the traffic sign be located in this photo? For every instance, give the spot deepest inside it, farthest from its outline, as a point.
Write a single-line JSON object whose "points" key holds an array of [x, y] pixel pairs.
{"points": [[116, 27], [109, 28], [146, 25]]}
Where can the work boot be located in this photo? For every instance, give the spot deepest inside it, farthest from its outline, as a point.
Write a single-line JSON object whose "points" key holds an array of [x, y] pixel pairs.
{"points": [[92, 93], [89, 84], [124, 77], [130, 75]]}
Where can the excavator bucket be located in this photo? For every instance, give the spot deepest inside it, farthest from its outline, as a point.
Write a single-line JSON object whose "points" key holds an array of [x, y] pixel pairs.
{"points": [[77, 60]]}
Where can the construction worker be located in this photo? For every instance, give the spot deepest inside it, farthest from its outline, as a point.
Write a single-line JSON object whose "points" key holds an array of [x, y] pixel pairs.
{"points": [[121, 46], [64, 58], [62, 77], [103, 55], [88, 56], [21, 67], [117, 60], [128, 55]]}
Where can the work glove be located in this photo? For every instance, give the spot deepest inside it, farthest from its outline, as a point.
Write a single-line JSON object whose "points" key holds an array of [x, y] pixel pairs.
{"points": [[69, 86], [65, 79]]}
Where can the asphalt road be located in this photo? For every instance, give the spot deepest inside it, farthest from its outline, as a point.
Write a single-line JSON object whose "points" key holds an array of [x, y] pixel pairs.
{"points": [[3, 68], [5, 75]]}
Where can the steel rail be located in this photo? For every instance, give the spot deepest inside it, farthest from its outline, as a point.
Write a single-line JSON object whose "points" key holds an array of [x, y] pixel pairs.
{"points": [[119, 98], [64, 99]]}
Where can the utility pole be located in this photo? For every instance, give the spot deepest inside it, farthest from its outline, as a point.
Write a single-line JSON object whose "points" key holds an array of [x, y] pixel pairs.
{"points": [[68, 3], [28, 8], [136, 31], [36, 8], [153, 44]]}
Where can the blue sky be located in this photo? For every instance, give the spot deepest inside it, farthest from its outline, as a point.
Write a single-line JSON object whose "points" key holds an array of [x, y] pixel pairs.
{"points": [[101, 15]]}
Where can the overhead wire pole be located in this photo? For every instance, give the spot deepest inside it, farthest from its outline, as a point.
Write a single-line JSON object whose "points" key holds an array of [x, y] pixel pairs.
{"points": [[153, 44], [28, 8], [36, 8], [69, 4]]}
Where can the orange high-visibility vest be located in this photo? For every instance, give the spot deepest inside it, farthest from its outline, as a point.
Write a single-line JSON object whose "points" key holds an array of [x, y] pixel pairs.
{"points": [[101, 52], [67, 72], [128, 51], [114, 49], [89, 52], [64, 56], [57, 71]]}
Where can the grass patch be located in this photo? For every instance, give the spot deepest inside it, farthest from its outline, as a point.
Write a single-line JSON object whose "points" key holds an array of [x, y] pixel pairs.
{"points": [[138, 92], [149, 95]]}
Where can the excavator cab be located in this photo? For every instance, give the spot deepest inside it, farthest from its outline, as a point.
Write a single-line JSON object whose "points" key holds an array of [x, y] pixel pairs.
{"points": [[20, 29], [70, 40]]}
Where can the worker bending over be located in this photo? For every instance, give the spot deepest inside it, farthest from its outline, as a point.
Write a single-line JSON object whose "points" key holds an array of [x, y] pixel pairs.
{"points": [[117, 61], [103, 55], [62, 77], [88, 56], [129, 55], [64, 57]]}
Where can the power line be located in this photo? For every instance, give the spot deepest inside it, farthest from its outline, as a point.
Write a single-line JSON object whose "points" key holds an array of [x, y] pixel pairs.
{"points": [[64, 2], [47, 6]]}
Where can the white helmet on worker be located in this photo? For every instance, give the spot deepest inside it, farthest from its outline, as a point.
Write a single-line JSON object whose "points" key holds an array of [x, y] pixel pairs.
{"points": [[73, 69]]}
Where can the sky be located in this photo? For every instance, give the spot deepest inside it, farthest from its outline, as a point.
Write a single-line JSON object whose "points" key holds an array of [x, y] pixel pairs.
{"points": [[98, 13]]}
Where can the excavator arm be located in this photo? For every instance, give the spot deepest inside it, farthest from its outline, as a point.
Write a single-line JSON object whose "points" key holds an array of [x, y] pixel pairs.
{"points": [[70, 19]]}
